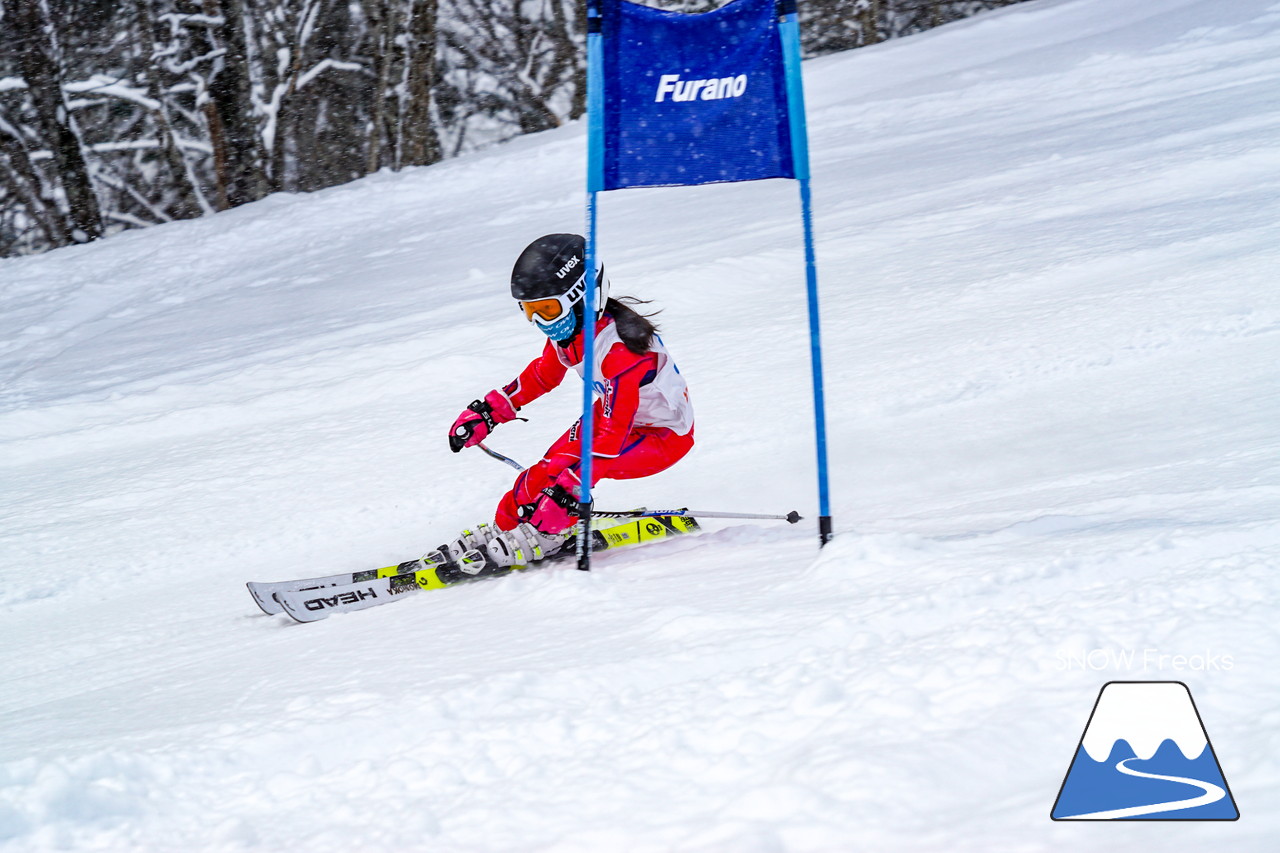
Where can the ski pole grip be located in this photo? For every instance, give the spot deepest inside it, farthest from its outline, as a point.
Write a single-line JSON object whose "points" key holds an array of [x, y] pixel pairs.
{"points": [[458, 438]]}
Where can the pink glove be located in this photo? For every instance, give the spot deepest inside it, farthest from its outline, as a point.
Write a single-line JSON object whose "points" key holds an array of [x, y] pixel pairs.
{"points": [[478, 420], [556, 508], [530, 485]]}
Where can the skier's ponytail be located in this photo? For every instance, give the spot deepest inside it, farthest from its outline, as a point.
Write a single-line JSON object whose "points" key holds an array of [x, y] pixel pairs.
{"points": [[635, 329]]}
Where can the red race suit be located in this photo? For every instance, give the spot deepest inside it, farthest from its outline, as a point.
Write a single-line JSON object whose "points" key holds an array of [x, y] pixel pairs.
{"points": [[642, 415]]}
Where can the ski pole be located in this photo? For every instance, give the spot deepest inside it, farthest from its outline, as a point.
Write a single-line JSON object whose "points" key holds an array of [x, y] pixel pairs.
{"points": [[791, 517], [507, 459]]}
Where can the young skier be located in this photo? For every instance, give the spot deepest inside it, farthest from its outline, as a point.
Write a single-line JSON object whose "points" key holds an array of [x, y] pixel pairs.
{"points": [[642, 415]]}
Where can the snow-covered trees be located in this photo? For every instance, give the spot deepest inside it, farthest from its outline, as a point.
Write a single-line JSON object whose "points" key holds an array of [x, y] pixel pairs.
{"points": [[39, 61], [123, 113]]}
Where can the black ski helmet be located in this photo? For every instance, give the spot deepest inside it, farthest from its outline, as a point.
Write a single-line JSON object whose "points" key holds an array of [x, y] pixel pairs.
{"points": [[549, 280]]}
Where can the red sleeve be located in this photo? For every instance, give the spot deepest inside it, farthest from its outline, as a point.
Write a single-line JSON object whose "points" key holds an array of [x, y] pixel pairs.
{"points": [[543, 373], [624, 373]]}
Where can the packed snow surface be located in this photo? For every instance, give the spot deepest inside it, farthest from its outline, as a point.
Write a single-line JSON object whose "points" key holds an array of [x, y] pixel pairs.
{"points": [[1048, 241]]}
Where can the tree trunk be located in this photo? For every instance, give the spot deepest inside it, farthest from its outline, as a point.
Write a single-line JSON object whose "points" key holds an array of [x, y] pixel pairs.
{"points": [[231, 93], [25, 184], [566, 60], [579, 107], [421, 145], [188, 202], [40, 63], [871, 23], [379, 19]]}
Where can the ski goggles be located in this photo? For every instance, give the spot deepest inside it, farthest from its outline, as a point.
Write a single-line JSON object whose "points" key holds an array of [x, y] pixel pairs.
{"points": [[553, 315]]}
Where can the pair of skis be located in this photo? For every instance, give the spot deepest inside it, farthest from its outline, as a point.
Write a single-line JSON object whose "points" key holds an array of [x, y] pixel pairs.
{"points": [[312, 599]]}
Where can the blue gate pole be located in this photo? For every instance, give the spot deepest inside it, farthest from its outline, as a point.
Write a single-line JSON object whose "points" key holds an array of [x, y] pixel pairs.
{"points": [[789, 32], [595, 183]]}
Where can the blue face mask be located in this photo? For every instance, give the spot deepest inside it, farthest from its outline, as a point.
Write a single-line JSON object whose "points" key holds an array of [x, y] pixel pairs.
{"points": [[556, 316], [562, 328]]}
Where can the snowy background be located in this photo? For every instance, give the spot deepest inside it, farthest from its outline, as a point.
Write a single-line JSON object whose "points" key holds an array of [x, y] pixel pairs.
{"points": [[1047, 252]]}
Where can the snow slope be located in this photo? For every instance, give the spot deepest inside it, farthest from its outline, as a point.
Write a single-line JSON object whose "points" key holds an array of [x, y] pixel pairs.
{"points": [[1048, 240]]}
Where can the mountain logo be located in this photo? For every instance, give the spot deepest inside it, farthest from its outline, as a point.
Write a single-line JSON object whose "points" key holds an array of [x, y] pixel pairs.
{"points": [[1144, 755]]}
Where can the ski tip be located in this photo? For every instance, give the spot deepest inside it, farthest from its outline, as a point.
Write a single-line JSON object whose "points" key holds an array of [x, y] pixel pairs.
{"points": [[265, 601]]}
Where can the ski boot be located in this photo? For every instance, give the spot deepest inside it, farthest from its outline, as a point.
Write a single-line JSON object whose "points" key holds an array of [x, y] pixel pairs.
{"points": [[470, 540], [517, 548]]}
